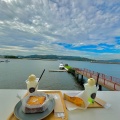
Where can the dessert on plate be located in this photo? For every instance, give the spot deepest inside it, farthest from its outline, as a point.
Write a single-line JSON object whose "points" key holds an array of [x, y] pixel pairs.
{"points": [[75, 100], [35, 102]]}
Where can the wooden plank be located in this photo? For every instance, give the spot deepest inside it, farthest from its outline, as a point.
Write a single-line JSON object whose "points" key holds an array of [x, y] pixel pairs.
{"points": [[57, 70]]}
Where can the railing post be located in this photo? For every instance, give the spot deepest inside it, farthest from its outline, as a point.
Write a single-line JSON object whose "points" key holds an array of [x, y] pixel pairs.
{"points": [[97, 79], [83, 71], [100, 87], [110, 78], [104, 79], [90, 75], [114, 86]]}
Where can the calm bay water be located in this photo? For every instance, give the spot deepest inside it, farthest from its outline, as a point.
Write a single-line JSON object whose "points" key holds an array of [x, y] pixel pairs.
{"points": [[14, 73]]}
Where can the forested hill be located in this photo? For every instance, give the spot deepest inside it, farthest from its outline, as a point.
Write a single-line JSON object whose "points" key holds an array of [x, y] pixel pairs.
{"points": [[57, 57], [54, 57]]}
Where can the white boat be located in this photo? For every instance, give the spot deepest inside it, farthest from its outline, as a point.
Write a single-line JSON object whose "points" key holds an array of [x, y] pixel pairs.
{"points": [[61, 66], [7, 61]]}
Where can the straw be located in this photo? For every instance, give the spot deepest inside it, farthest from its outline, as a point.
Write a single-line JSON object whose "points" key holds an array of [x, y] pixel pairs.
{"points": [[41, 75]]}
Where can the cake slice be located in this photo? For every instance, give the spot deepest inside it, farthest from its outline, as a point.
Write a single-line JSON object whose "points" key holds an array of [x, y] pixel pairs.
{"points": [[35, 102]]}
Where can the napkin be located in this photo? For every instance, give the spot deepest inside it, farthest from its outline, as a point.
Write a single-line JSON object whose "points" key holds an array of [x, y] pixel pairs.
{"points": [[103, 103], [83, 95], [58, 110]]}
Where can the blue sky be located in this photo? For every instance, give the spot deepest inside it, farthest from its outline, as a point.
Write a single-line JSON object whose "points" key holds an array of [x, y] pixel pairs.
{"points": [[85, 28]]}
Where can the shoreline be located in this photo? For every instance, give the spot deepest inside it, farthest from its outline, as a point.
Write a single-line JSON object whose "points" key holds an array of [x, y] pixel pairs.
{"points": [[105, 62], [100, 62]]}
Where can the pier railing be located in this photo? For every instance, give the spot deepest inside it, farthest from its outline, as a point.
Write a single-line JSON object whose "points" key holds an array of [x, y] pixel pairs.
{"points": [[112, 83]]}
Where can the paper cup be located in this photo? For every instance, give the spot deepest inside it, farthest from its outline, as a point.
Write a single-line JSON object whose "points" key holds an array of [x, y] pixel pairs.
{"points": [[91, 92], [32, 84]]}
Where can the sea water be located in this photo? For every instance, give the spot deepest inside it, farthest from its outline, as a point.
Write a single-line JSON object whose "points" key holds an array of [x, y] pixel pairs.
{"points": [[13, 74]]}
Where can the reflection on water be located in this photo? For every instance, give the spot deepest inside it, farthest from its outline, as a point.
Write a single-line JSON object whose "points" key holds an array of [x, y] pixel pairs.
{"points": [[14, 73]]}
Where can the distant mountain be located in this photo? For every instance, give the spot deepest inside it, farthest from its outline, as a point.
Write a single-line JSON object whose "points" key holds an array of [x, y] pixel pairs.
{"points": [[54, 57], [115, 60], [58, 57]]}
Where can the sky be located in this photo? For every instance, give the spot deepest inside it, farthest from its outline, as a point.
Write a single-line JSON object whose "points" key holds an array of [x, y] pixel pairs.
{"points": [[85, 28]]}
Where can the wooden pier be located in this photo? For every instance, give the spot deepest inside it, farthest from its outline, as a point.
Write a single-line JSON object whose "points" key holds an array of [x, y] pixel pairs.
{"points": [[106, 81], [57, 70]]}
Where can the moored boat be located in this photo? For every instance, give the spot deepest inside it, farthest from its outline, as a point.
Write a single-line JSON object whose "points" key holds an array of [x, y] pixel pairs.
{"points": [[7, 61], [61, 66]]}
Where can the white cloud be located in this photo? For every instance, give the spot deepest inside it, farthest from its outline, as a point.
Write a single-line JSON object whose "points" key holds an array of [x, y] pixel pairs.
{"points": [[68, 21], [117, 47]]}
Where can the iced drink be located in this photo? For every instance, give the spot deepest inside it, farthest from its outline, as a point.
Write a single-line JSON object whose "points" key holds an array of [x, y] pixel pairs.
{"points": [[32, 82], [91, 90]]}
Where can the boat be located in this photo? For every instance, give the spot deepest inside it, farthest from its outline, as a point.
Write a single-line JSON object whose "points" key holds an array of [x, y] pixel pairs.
{"points": [[61, 66], [7, 61], [4, 61]]}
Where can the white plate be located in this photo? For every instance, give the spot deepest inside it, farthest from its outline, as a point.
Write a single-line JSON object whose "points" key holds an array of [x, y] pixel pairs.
{"points": [[35, 116]]}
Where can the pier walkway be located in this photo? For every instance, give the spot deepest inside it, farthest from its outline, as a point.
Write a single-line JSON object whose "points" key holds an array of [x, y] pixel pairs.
{"points": [[109, 82]]}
